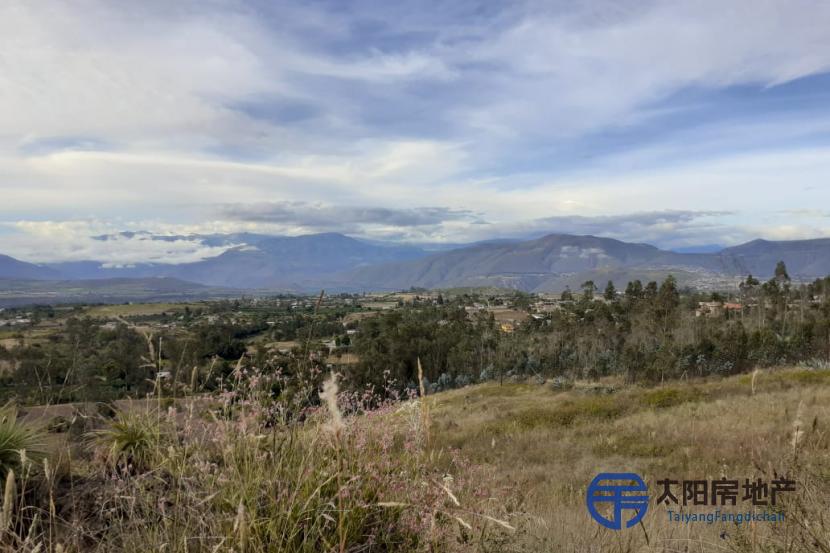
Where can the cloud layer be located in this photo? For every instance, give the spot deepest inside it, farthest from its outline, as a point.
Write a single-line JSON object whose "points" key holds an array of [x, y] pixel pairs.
{"points": [[415, 121]]}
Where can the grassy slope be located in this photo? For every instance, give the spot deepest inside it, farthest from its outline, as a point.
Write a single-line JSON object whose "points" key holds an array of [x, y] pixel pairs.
{"points": [[549, 444], [540, 445]]}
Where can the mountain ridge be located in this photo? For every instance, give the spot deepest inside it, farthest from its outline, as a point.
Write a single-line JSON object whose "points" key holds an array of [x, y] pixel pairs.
{"points": [[14, 268], [254, 261], [338, 262], [556, 261]]}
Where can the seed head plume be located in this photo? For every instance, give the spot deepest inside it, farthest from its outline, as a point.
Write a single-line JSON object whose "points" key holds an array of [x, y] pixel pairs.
{"points": [[329, 397], [424, 406], [797, 425], [240, 526], [9, 496], [194, 379]]}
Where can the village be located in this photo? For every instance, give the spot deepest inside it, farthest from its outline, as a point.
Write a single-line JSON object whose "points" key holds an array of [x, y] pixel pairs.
{"points": [[325, 327]]}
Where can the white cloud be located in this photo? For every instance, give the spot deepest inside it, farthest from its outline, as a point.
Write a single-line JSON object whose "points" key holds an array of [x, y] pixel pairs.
{"points": [[730, 200], [153, 126], [51, 241], [569, 74]]}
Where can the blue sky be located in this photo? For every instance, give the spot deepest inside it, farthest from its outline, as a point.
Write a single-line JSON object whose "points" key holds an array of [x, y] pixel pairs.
{"points": [[677, 124]]}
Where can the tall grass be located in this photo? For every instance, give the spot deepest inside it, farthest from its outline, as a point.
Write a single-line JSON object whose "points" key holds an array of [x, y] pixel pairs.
{"points": [[222, 474], [360, 474]]}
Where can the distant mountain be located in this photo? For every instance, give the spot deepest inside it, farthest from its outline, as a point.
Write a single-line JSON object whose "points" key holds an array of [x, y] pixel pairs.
{"points": [[294, 263], [260, 261], [703, 248], [337, 262], [546, 263], [13, 268], [554, 262], [804, 258]]}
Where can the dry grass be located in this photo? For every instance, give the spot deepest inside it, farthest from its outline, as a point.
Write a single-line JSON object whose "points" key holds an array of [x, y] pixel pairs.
{"points": [[487, 468], [224, 476], [548, 445]]}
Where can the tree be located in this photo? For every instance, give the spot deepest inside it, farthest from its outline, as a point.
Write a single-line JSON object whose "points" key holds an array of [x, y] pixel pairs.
{"points": [[634, 290], [566, 295], [610, 292], [665, 305], [781, 274], [747, 288], [588, 289], [780, 285]]}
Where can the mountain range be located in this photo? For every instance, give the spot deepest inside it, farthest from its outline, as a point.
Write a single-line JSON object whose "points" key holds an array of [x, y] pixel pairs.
{"points": [[255, 261], [338, 262], [557, 261]]}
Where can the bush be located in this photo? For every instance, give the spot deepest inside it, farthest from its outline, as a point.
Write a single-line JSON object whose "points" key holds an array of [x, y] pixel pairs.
{"points": [[569, 412], [131, 441], [16, 437], [668, 397]]}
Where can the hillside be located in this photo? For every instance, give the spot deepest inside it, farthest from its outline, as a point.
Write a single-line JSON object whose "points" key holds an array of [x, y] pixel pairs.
{"points": [[530, 435], [804, 258], [259, 261], [293, 263], [13, 268], [510, 463], [556, 261]]}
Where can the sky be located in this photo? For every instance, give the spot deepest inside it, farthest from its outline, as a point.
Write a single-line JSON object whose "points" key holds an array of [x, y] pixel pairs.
{"points": [[680, 124]]}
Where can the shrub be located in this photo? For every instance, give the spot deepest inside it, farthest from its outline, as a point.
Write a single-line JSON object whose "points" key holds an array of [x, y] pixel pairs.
{"points": [[809, 376], [569, 412], [130, 441], [668, 397], [16, 437]]}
